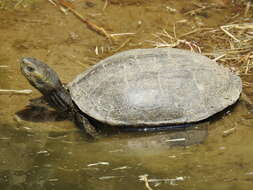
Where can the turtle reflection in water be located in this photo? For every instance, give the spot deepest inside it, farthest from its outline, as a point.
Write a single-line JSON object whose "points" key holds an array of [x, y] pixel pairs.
{"points": [[141, 89]]}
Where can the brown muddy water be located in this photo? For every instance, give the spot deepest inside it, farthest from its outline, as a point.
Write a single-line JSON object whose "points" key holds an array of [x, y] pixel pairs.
{"points": [[41, 153]]}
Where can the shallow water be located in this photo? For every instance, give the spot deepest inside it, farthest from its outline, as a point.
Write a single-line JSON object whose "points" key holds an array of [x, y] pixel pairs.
{"points": [[44, 154]]}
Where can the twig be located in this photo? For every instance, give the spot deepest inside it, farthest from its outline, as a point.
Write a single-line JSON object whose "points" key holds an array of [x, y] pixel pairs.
{"points": [[122, 45], [31, 21], [3, 66], [4, 138], [91, 25], [229, 132], [170, 9], [247, 9], [98, 163], [18, 3], [110, 177], [145, 179], [105, 5], [219, 57], [17, 119], [194, 31], [121, 168], [123, 34], [116, 151], [63, 10], [171, 181], [240, 26], [174, 31], [52, 2], [228, 33], [16, 92], [193, 12], [247, 67], [174, 41], [176, 140], [96, 50]]}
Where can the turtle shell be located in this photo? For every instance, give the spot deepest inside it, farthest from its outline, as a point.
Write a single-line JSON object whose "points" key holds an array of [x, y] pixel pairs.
{"points": [[154, 87]]}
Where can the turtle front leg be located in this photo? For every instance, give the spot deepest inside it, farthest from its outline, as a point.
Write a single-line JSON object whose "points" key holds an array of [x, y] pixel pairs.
{"points": [[83, 123]]}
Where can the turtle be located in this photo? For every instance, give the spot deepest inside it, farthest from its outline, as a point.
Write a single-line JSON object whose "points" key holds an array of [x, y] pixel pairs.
{"points": [[139, 89]]}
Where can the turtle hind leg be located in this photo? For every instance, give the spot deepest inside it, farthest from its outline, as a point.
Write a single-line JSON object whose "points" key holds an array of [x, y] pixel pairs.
{"points": [[83, 123]]}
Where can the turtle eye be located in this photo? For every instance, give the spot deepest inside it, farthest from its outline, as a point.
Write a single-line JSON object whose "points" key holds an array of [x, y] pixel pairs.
{"points": [[30, 69]]}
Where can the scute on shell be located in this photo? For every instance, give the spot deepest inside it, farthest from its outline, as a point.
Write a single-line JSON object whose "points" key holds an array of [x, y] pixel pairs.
{"points": [[153, 87]]}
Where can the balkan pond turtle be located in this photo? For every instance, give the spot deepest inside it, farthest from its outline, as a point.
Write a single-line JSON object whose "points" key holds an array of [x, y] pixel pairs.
{"points": [[140, 89]]}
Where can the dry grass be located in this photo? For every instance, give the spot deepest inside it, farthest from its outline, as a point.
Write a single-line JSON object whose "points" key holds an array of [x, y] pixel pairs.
{"points": [[6, 4], [230, 44]]}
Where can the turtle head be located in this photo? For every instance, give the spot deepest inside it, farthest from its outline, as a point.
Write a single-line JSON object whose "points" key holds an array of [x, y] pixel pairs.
{"points": [[40, 75], [46, 80]]}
